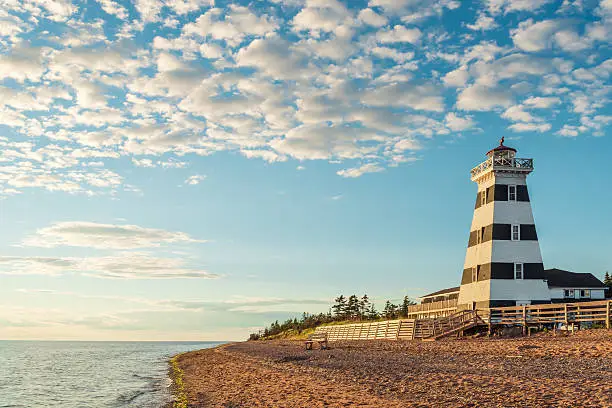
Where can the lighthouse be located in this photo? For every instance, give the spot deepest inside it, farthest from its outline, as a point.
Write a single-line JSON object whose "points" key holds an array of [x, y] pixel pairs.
{"points": [[503, 264]]}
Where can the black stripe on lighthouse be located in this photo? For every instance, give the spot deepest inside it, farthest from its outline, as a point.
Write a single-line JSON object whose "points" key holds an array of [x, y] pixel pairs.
{"points": [[503, 232], [503, 270], [499, 192]]}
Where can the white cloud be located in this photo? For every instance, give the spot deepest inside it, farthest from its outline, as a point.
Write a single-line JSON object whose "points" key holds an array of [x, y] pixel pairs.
{"points": [[385, 52], [359, 171], [195, 179], [483, 23], [530, 127], [321, 16], [274, 57], [143, 162], [568, 131], [266, 155], [315, 142], [104, 236], [497, 6], [23, 63], [370, 17], [542, 102], [398, 34], [480, 98], [237, 24], [531, 36], [419, 97], [546, 34], [458, 123], [457, 78], [518, 114], [181, 7], [113, 8], [118, 266]]}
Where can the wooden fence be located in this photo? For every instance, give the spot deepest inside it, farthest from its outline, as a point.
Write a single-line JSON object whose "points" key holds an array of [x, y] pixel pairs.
{"points": [[529, 315], [386, 330], [566, 313], [433, 309]]}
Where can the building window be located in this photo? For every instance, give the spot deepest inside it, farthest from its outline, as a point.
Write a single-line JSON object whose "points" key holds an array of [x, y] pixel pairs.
{"points": [[483, 197], [474, 274], [518, 271], [585, 293], [568, 293], [480, 235], [516, 232], [511, 193]]}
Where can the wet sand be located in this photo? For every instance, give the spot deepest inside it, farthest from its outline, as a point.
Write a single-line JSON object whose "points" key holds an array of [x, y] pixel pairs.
{"points": [[539, 371]]}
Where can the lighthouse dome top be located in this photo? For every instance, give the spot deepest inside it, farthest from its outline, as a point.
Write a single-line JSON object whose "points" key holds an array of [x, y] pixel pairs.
{"points": [[502, 159], [502, 150]]}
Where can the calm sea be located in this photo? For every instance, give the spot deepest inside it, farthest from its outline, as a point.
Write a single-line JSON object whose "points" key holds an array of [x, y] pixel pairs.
{"points": [[87, 374]]}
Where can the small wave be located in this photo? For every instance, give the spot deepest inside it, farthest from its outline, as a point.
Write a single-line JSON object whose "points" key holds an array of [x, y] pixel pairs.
{"points": [[128, 397], [143, 377]]}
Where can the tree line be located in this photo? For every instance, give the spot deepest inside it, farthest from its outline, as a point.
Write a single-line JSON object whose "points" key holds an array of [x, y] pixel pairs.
{"points": [[608, 284], [352, 308]]}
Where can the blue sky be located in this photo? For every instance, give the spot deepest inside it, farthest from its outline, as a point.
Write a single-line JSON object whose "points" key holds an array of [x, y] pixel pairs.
{"points": [[193, 169]]}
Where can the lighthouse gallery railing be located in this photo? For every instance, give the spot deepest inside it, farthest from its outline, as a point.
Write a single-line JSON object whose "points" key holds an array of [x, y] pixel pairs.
{"points": [[497, 162]]}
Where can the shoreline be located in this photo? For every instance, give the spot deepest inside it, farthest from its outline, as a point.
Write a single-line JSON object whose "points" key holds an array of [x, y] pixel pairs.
{"points": [[176, 375], [542, 370]]}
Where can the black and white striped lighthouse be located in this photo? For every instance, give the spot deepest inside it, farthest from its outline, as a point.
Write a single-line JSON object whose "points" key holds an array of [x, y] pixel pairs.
{"points": [[503, 263]]}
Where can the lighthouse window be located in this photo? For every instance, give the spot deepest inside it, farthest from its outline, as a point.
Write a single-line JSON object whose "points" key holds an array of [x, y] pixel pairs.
{"points": [[511, 193], [518, 271], [516, 232], [483, 197], [480, 235]]}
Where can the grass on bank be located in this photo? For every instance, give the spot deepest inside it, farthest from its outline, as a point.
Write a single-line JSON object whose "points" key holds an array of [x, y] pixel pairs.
{"points": [[180, 396], [293, 334]]}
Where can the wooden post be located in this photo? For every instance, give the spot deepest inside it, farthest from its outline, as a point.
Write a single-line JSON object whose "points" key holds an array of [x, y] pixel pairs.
{"points": [[608, 307], [524, 320], [565, 317]]}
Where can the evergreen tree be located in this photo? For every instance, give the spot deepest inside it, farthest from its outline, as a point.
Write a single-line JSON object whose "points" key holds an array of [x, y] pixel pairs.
{"points": [[340, 307], [364, 306], [404, 308], [372, 313], [352, 307], [390, 310], [608, 283]]}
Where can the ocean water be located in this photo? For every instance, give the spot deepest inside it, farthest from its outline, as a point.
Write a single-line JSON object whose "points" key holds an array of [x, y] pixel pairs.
{"points": [[40, 374]]}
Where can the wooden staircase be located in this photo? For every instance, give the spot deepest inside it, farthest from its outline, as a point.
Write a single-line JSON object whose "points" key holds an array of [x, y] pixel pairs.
{"points": [[434, 329]]}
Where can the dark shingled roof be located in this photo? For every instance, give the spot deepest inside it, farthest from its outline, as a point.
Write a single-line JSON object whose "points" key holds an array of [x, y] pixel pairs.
{"points": [[442, 292], [564, 279], [501, 147]]}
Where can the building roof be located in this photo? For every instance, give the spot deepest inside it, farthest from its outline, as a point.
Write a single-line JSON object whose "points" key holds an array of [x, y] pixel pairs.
{"points": [[442, 292], [564, 279], [501, 147]]}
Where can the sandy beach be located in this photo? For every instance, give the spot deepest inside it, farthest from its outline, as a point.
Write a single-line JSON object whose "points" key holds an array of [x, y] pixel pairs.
{"points": [[542, 370]]}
